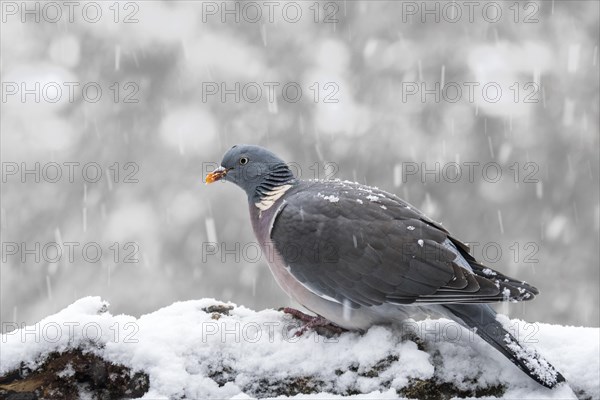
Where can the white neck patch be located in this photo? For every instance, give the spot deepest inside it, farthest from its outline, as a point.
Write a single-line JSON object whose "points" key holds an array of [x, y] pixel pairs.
{"points": [[271, 197]]}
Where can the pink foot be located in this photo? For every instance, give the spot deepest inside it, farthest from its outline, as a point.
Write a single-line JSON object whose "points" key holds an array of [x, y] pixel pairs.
{"points": [[314, 323]]}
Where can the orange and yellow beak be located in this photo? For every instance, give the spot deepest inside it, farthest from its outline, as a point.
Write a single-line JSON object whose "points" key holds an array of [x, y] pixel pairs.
{"points": [[216, 175]]}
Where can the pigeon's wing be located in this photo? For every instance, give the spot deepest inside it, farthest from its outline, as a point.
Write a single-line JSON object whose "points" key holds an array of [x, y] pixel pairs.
{"points": [[362, 246]]}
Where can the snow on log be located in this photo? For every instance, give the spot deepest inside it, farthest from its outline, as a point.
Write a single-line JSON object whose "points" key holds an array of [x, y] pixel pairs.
{"points": [[209, 349]]}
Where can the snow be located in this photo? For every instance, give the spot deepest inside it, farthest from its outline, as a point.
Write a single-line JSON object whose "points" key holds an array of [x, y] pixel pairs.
{"points": [[331, 198], [372, 198], [211, 231], [540, 366], [183, 345], [68, 371]]}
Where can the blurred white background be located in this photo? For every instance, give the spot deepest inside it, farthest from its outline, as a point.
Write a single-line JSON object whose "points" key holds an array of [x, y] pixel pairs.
{"points": [[157, 127]]}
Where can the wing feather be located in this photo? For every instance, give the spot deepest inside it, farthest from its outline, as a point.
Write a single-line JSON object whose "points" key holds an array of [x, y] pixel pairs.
{"points": [[369, 247]]}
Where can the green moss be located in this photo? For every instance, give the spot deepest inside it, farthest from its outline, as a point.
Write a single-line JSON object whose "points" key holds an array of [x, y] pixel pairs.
{"points": [[381, 366], [431, 390], [270, 387], [61, 375]]}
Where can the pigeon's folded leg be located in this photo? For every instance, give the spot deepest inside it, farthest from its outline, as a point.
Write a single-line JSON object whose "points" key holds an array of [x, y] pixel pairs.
{"points": [[319, 324]]}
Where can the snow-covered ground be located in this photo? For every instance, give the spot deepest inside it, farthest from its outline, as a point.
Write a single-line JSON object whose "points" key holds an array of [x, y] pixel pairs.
{"points": [[209, 349]]}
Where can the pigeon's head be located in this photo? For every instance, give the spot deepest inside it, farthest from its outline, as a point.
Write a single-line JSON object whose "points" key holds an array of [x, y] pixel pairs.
{"points": [[253, 168]]}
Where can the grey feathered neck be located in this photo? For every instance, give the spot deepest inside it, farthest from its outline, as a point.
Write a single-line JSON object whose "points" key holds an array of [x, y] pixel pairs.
{"points": [[278, 175]]}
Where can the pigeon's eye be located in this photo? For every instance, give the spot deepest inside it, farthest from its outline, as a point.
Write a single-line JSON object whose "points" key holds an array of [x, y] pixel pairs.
{"points": [[243, 160]]}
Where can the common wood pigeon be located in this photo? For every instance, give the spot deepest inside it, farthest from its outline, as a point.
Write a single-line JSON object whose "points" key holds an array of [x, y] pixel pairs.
{"points": [[358, 256]]}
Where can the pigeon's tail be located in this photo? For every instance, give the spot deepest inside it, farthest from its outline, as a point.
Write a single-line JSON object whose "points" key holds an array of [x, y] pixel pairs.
{"points": [[483, 318]]}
